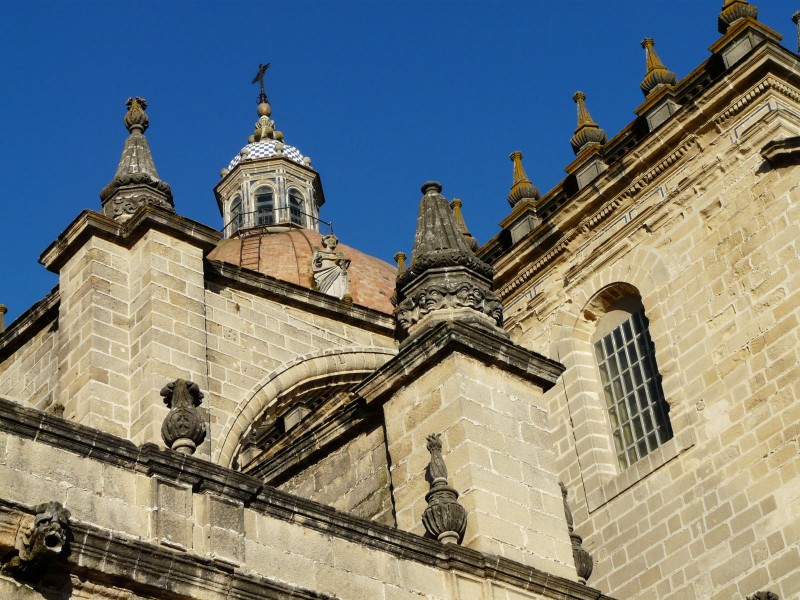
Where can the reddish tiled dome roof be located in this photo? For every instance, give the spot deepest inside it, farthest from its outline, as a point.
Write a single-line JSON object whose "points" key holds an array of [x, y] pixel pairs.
{"points": [[286, 255]]}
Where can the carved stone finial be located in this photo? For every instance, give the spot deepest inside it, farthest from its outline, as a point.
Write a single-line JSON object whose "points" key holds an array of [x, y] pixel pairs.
{"points": [[136, 118], [456, 205], [329, 268], [521, 187], [584, 565], [184, 427], [765, 595], [732, 11], [400, 259], [444, 281], [3, 311], [796, 20], [657, 74], [444, 519], [136, 182], [588, 133], [47, 538]]}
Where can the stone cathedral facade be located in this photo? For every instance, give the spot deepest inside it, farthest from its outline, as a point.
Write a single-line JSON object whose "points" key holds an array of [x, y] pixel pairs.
{"points": [[601, 402]]}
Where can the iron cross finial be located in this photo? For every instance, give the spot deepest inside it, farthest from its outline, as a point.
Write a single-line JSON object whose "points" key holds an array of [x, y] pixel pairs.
{"points": [[262, 69]]}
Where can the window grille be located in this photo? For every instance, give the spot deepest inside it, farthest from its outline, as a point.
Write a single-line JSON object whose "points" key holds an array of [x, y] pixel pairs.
{"points": [[296, 206], [631, 384], [265, 207], [235, 220]]}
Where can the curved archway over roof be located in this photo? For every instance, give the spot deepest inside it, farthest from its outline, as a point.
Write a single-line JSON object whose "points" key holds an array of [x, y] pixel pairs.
{"points": [[337, 367]]}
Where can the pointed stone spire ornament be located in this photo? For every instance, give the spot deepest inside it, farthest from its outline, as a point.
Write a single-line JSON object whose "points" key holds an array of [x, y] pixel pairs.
{"points": [[588, 133], [732, 11], [136, 182], [444, 519], [444, 281], [184, 427], [456, 205], [521, 187], [657, 74], [796, 21], [583, 560]]}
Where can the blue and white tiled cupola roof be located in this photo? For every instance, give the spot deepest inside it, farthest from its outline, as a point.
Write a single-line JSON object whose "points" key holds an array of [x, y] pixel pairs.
{"points": [[267, 148]]}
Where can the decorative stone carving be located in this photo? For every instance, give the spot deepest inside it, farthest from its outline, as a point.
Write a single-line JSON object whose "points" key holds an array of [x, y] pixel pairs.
{"points": [[45, 540], [329, 268], [584, 565], [732, 11], [763, 596], [184, 427], [136, 182], [588, 133], [657, 74], [456, 294], [444, 519], [521, 186]]}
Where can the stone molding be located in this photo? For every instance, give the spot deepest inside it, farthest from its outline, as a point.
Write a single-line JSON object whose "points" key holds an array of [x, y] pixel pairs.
{"points": [[473, 340], [237, 487], [326, 363], [113, 559], [90, 223], [29, 323], [298, 296]]}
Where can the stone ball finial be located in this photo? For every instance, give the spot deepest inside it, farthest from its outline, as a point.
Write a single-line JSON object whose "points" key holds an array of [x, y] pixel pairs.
{"points": [[264, 109], [431, 187]]}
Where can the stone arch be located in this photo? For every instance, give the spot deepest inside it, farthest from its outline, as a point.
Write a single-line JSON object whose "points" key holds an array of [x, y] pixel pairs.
{"points": [[642, 272], [334, 366]]}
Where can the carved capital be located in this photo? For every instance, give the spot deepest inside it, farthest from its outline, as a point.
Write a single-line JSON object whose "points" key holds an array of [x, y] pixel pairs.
{"points": [[184, 427]]}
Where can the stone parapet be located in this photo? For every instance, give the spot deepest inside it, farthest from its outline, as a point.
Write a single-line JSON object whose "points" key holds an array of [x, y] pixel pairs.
{"points": [[272, 527]]}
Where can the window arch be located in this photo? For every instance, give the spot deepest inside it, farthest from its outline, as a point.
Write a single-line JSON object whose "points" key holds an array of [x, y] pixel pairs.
{"points": [[235, 216], [295, 206], [631, 384], [265, 206]]}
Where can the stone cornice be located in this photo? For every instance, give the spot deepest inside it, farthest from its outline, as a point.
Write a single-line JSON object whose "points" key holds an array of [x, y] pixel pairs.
{"points": [[299, 296], [237, 487], [29, 323], [705, 88], [90, 223], [113, 559], [432, 346]]}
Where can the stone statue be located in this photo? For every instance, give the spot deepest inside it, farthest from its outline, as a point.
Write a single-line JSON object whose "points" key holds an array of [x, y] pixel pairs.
{"points": [[329, 268]]}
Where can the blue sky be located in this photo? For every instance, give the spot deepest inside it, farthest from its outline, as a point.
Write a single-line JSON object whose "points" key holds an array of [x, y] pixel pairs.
{"points": [[382, 95]]}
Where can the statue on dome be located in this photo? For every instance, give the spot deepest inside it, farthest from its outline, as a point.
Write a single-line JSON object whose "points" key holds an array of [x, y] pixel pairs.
{"points": [[329, 268]]}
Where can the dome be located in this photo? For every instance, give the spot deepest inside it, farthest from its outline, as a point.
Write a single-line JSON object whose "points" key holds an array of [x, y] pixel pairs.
{"points": [[267, 149], [287, 255]]}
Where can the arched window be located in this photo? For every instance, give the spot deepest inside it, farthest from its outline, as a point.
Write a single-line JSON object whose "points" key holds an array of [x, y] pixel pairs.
{"points": [[625, 354], [296, 206], [235, 216], [265, 206]]}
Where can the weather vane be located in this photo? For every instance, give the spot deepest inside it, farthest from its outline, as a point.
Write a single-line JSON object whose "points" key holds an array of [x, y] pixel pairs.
{"points": [[260, 79]]}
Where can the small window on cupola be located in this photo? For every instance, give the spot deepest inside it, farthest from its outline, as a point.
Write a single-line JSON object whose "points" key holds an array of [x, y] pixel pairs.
{"points": [[235, 216], [296, 206], [265, 206]]}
